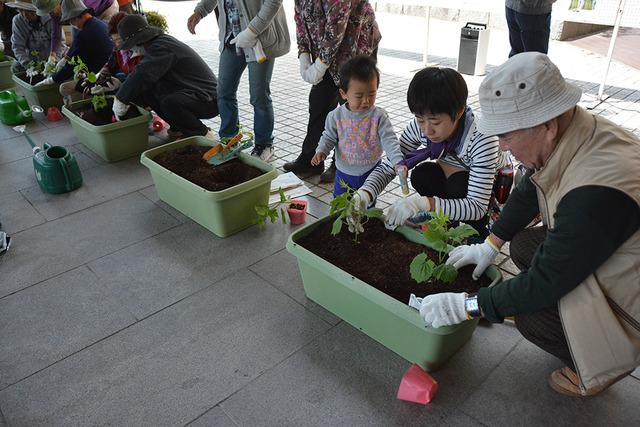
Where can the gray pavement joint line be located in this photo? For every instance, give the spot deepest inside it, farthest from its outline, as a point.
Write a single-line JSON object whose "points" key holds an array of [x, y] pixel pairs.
{"points": [[162, 207], [208, 410], [86, 263], [79, 210], [285, 294], [67, 356], [311, 341], [477, 387], [115, 332], [473, 418], [33, 206]]}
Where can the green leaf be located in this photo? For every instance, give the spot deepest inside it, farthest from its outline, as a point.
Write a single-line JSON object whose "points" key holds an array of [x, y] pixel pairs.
{"points": [[445, 273], [435, 237], [337, 226], [91, 77], [283, 198], [461, 232], [283, 215], [421, 268]]}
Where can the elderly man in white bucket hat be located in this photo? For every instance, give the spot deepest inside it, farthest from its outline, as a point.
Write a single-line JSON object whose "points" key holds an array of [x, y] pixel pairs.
{"points": [[30, 33], [578, 295]]}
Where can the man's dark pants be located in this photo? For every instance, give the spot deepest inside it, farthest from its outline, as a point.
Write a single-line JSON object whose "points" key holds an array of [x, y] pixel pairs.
{"points": [[528, 33], [182, 111], [543, 328]]}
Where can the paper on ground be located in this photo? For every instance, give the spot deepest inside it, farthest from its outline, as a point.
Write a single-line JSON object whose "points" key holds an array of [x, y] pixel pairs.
{"points": [[291, 184]]}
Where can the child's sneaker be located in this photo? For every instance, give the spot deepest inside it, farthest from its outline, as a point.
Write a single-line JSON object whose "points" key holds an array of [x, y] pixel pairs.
{"points": [[264, 152], [5, 242]]}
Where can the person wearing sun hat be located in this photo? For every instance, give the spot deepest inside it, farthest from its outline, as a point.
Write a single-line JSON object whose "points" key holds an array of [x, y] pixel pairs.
{"points": [[6, 21], [578, 295], [30, 33], [91, 44], [172, 79]]}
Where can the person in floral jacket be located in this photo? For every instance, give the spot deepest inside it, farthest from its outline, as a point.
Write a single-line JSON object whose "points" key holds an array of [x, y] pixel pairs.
{"points": [[329, 33]]}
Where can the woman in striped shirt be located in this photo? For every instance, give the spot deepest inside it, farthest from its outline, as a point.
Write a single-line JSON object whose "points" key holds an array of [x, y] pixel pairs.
{"points": [[459, 178]]}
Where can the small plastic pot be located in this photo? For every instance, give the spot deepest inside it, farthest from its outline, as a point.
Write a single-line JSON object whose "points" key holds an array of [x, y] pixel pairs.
{"points": [[297, 216]]}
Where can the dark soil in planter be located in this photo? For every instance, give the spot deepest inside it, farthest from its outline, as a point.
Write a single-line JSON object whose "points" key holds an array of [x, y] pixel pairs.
{"points": [[103, 116], [296, 206], [187, 162], [32, 82], [382, 259]]}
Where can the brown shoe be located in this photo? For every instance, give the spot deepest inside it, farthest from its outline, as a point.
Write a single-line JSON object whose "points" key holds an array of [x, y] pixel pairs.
{"points": [[566, 382]]}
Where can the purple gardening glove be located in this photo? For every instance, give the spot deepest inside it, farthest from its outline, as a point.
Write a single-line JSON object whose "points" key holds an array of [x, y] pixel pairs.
{"points": [[414, 157]]}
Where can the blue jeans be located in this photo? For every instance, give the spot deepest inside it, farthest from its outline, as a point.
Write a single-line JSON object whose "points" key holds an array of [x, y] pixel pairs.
{"points": [[231, 68], [528, 33]]}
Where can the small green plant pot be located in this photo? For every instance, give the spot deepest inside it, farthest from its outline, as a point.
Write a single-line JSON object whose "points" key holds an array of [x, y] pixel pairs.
{"points": [[115, 141], [222, 212], [44, 96], [383, 318], [6, 77]]}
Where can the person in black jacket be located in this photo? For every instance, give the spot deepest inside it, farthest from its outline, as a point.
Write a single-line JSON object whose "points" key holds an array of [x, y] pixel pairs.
{"points": [[171, 78], [6, 18]]}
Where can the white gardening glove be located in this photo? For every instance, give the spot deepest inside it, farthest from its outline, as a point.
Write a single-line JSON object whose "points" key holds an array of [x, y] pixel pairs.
{"points": [[441, 309], [315, 72], [362, 200], [305, 62], [246, 39], [119, 108], [60, 65], [481, 254], [110, 86], [405, 208], [45, 82]]}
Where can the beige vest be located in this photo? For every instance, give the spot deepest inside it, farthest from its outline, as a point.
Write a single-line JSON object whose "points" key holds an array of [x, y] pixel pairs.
{"points": [[601, 316]]}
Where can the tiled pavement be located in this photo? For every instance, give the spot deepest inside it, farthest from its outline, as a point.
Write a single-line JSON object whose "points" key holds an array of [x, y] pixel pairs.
{"points": [[116, 309]]}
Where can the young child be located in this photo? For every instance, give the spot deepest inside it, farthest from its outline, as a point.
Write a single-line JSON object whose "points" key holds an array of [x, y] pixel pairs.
{"points": [[358, 130]]}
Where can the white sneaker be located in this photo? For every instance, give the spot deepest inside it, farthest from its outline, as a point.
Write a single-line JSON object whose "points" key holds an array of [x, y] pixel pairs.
{"points": [[264, 153]]}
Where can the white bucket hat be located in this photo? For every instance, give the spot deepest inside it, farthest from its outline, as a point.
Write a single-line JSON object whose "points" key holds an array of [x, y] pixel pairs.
{"points": [[22, 4], [524, 92]]}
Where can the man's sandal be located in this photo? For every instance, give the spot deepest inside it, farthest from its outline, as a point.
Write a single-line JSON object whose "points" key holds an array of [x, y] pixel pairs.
{"points": [[566, 382]]}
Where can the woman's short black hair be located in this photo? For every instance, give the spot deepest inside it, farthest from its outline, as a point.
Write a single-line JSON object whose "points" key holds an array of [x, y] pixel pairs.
{"points": [[437, 90], [362, 68]]}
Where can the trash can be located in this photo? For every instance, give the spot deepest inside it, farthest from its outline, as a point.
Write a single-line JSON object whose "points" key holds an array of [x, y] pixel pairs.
{"points": [[474, 43]]}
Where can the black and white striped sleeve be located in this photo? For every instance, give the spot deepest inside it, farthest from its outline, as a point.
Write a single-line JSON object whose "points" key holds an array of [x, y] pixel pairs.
{"points": [[410, 140], [483, 153]]}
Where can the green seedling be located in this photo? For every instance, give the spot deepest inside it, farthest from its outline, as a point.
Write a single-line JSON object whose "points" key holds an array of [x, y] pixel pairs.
{"points": [[273, 212], [349, 214], [81, 71], [442, 239], [99, 102]]}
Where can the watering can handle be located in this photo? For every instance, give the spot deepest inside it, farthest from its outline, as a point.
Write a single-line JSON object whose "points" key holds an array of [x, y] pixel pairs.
{"points": [[65, 170]]}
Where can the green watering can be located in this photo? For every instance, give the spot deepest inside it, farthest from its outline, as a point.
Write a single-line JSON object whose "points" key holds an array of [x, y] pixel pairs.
{"points": [[14, 109], [56, 169]]}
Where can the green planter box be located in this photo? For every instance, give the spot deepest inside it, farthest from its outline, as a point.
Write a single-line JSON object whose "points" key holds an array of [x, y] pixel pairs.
{"points": [[385, 319], [44, 96], [6, 77], [115, 141], [221, 212]]}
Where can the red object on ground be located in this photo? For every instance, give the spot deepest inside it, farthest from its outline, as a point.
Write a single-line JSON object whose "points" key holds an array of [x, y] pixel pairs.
{"points": [[417, 386], [298, 216], [54, 114], [157, 123]]}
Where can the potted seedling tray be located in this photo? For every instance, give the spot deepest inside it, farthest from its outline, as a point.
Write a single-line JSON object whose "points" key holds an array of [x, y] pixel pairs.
{"points": [[385, 318], [45, 96], [6, 77], [110, 140], [223, 212]]}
